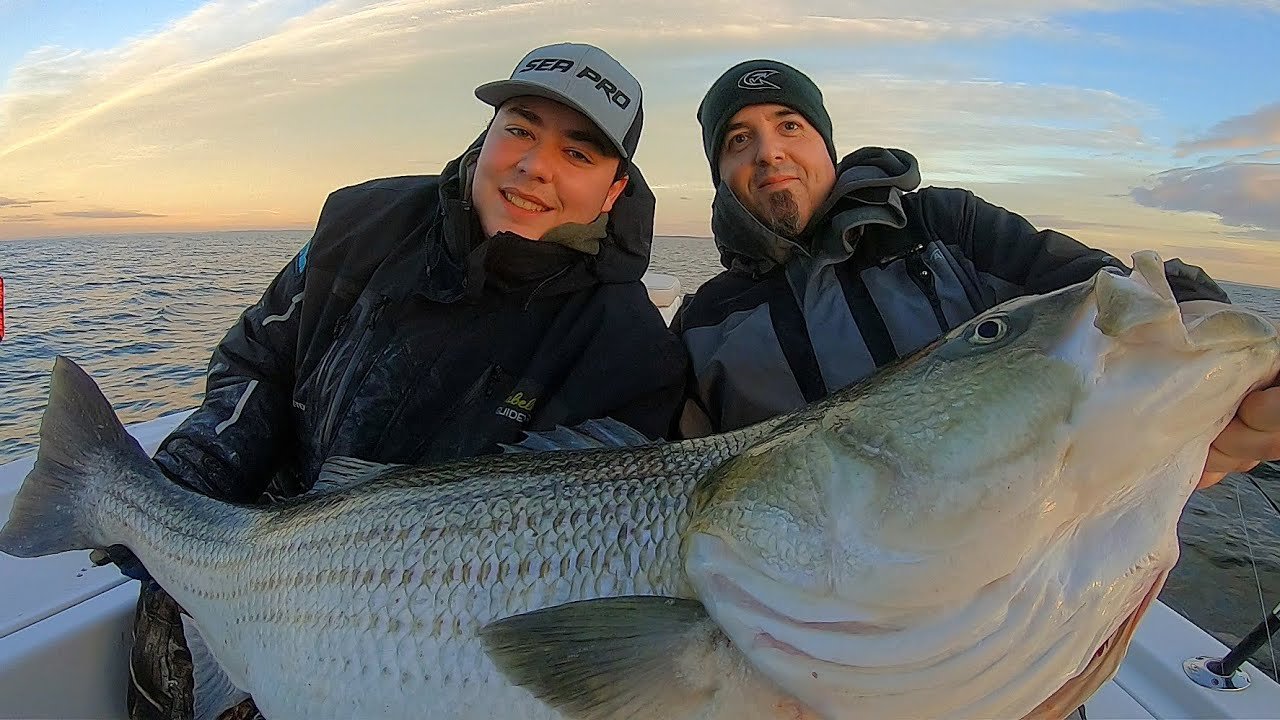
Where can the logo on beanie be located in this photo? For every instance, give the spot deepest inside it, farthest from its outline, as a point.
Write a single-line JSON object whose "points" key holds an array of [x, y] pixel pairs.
{"points": [[758, 80]]}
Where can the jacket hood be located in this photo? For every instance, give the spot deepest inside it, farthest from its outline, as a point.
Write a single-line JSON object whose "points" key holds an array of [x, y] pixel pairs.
{"points": [[868, 188], [615, 248]]}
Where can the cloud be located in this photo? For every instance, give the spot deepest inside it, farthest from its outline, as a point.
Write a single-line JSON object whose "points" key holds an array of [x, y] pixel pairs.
{"points": [[698, 187], [1045, 132], [251, 213], [1064, 223], [737, 25], [11, 203], [106, 214], [232, 54], [1260, 128], [237, 54], [244, 107], [1242, 194], [266, 82]]}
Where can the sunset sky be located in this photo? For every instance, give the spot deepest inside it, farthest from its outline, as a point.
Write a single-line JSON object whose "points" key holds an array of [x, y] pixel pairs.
{"points": [[1142, 125]]}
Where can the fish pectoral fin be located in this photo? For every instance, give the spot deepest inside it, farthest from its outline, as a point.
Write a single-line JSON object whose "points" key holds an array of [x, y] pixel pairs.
{"points": [[342, 473], [588, 435], [213, 690], [623, 657]]}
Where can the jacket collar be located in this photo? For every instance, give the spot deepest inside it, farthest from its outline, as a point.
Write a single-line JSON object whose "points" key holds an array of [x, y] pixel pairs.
{"points": [[868, 190], [462, 262]]}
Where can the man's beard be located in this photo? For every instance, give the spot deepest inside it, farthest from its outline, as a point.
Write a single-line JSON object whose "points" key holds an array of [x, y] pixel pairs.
{"points": [[782, 214]]}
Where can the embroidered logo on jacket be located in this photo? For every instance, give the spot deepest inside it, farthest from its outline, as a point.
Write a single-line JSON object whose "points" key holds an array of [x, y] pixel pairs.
{"points": [[302, 257], [517, 407]]}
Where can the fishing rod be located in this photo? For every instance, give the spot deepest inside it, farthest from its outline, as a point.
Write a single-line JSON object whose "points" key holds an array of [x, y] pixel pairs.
{"points": [[1224, 673]]}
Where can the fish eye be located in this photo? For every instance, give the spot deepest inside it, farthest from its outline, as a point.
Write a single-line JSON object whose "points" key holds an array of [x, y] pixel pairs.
{"points": [[993, 329]]}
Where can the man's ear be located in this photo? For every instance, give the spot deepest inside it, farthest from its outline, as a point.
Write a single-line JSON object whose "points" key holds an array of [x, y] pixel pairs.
{"points": [[614, 191]]}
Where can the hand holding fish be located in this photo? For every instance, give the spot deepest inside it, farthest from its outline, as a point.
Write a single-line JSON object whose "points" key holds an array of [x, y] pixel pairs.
{"points": [[1252, 436]]}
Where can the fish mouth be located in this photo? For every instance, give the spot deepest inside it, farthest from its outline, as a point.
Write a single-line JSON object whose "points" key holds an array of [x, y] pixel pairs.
{"points": [[1101, 667], [766, 609], [1139, 308], [1142, 309], [817, 651], [737, 595]]}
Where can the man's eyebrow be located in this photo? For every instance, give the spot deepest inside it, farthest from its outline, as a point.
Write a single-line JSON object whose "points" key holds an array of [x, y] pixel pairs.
{"points": [[777, 114], [591, 138], [594, 139], [526, 113]]}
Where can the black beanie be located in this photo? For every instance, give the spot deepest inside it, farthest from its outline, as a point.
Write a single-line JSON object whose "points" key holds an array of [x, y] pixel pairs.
{"points": [[757, 82]]}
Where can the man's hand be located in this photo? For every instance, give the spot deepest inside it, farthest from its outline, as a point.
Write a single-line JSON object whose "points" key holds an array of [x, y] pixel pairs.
{"points": [[1252, 436], [125, 560]]}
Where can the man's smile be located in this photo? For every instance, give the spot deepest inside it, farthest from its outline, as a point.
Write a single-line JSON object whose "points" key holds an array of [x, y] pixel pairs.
{"points": [[775, 182], [524, 202]]}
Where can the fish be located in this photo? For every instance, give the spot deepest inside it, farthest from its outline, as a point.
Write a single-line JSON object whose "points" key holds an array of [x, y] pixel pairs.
{"points": [[973, 531]]}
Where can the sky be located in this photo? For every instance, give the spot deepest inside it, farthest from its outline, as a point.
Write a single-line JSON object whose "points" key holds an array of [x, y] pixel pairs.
{"points": [[1126, 124]]}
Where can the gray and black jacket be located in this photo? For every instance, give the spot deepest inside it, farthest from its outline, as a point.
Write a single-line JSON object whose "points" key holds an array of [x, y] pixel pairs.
{"points": [[882, 270], [401, 334]]}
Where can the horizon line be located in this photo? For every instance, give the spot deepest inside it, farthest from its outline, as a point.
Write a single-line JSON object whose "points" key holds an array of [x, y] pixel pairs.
{"points": [[144, 233]]}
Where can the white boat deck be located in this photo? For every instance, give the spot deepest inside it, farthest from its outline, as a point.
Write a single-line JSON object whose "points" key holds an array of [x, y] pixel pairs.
{"points": [[64, 624]]}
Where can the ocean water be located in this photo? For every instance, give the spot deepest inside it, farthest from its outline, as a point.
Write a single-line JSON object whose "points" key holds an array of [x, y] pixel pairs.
{"points": [[141, 314]]}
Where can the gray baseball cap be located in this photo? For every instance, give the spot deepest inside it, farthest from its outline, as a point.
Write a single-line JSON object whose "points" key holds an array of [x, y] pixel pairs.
{"points": [[585, 78]]}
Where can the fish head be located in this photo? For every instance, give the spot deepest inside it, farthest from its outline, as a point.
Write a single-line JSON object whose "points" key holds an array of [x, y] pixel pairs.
{"points": [[976, 530]]}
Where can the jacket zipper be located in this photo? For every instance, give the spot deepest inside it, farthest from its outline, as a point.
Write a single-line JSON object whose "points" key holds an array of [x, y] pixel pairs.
{"points": [[923, 278], [338, 402], [321, 373], [480, 389]]}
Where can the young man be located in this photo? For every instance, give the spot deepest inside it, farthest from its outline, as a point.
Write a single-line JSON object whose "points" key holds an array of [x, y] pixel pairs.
{"points": [[835, 269], [433, 317]]}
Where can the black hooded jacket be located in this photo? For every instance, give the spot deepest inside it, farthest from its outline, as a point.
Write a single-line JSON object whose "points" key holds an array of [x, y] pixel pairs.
{"points": [[401, 334], [882, 270]]}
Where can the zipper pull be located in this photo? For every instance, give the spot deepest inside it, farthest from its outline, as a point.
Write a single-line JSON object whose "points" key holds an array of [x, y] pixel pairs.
{"points": [[341, 325]]}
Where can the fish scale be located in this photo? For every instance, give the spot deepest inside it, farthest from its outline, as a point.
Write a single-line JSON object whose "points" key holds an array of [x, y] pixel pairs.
{"points": [[419, 573]]}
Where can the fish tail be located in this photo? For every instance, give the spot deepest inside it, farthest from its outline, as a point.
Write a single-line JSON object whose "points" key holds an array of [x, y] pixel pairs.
{"points": [[83, 447]]}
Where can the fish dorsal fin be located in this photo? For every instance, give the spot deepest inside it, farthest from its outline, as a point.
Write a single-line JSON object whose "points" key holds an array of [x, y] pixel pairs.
{"points": [[213, 690], [611, 658], [591, 434], [342, 473]]}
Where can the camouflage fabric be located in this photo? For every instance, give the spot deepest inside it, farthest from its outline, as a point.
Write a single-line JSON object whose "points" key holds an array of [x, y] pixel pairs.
{"points": [[160, 685]]}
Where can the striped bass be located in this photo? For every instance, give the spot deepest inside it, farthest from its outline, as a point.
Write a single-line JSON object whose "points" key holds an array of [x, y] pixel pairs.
{"points": [[974, 531]]}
